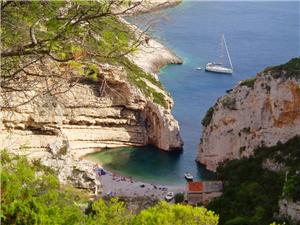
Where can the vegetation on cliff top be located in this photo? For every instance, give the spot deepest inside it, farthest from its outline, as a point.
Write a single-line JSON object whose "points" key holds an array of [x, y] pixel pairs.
{"points": [[79, 33], [291, 69], [248, 82], [136, 75], [252, 192], [31, 194], [208, 116]]}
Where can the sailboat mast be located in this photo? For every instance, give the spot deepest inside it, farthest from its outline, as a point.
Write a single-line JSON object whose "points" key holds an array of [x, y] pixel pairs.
{"points": [[222, 51], [227, 51]]}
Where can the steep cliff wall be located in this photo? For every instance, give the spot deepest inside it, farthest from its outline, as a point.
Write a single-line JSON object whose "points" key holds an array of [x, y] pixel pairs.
{"points": [[259, 111], [86, 119], [131, 108]]}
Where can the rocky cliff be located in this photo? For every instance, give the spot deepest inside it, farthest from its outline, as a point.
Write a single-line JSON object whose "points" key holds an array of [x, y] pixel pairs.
{"points": [[259, 111], [91, 115], [124, 106]]}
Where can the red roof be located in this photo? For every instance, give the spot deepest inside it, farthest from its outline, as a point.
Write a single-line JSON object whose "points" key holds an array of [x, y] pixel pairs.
{"points": [[195, 186]]}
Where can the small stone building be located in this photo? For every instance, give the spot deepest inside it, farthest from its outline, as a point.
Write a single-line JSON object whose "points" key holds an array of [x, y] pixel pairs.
{"points": [[203, 192], [194, 192]]}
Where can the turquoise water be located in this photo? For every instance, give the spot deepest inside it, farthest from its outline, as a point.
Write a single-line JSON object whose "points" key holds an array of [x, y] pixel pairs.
{"points": [[258, 34], [146, 164]]}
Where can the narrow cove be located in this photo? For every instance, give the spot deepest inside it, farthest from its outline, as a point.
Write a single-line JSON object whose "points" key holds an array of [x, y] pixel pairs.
{"points": [[252, 36]]}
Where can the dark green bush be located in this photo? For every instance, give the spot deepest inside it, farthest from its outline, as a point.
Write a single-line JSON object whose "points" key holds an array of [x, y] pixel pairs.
{"points": [[179, 197], [291, 188], [208, 116], [228, 103], [251, 193], [291, 69], [249, 82]]}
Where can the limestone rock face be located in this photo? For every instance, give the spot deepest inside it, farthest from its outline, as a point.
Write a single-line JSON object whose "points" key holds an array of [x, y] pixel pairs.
{"points": [[162, 128], [151, 55], [261, 111], [87, 121], [79, 173]]}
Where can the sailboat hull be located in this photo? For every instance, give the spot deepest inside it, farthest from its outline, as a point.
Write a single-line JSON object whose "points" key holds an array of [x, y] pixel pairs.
{"points": [[217, 68]]}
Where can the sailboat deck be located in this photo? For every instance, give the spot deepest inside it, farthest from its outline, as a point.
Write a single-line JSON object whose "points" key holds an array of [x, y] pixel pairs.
{"points": [[217, 68]]}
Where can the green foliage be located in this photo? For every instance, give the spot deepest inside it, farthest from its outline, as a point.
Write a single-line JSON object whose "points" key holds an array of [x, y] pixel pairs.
{"points": [[31, 199], [287, 154], [86, 32], [110, 213], [208, 116], [228, 103], [5, 157], [31, 194], [167, 214], [291, 188], [238, 221], [251, 193], [179, 197], [291, 69], [61, 34], [249, 82], [136, 76], [274, 223]]}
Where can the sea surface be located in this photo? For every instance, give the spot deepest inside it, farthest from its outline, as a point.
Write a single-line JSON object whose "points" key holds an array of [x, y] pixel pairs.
{"points": [[258, 34]]}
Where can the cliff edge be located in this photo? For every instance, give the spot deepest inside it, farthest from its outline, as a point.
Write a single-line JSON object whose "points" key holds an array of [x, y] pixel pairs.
{"points": [[93, 102], [259, 111]]}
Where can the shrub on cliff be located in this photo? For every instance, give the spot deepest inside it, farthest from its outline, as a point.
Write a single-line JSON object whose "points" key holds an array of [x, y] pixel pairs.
{"points": [[208, 116], [249, 82], [291, 188], [229, 103], [251, 192], [179, 197], [31, 195], [291, 69]]}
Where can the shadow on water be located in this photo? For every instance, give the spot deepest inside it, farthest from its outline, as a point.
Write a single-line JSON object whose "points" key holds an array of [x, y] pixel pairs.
{"points": [[145, 163]]}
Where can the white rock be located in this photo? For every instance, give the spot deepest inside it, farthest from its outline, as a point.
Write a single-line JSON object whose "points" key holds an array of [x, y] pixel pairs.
{"points": [[250, 117]]}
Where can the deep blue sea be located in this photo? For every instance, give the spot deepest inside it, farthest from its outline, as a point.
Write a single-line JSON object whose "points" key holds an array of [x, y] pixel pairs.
{"points": [[258, 34]]}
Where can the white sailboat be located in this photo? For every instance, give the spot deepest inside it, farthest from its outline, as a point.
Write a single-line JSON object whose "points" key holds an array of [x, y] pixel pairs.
{"points": [[219, 67]]}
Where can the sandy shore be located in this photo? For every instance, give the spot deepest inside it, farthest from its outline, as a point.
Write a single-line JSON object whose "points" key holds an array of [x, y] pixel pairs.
{"points": [[117, 186]]}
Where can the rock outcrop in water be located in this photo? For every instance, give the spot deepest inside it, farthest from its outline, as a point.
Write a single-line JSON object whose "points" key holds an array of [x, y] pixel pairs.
{"points": [[259, 111]]}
